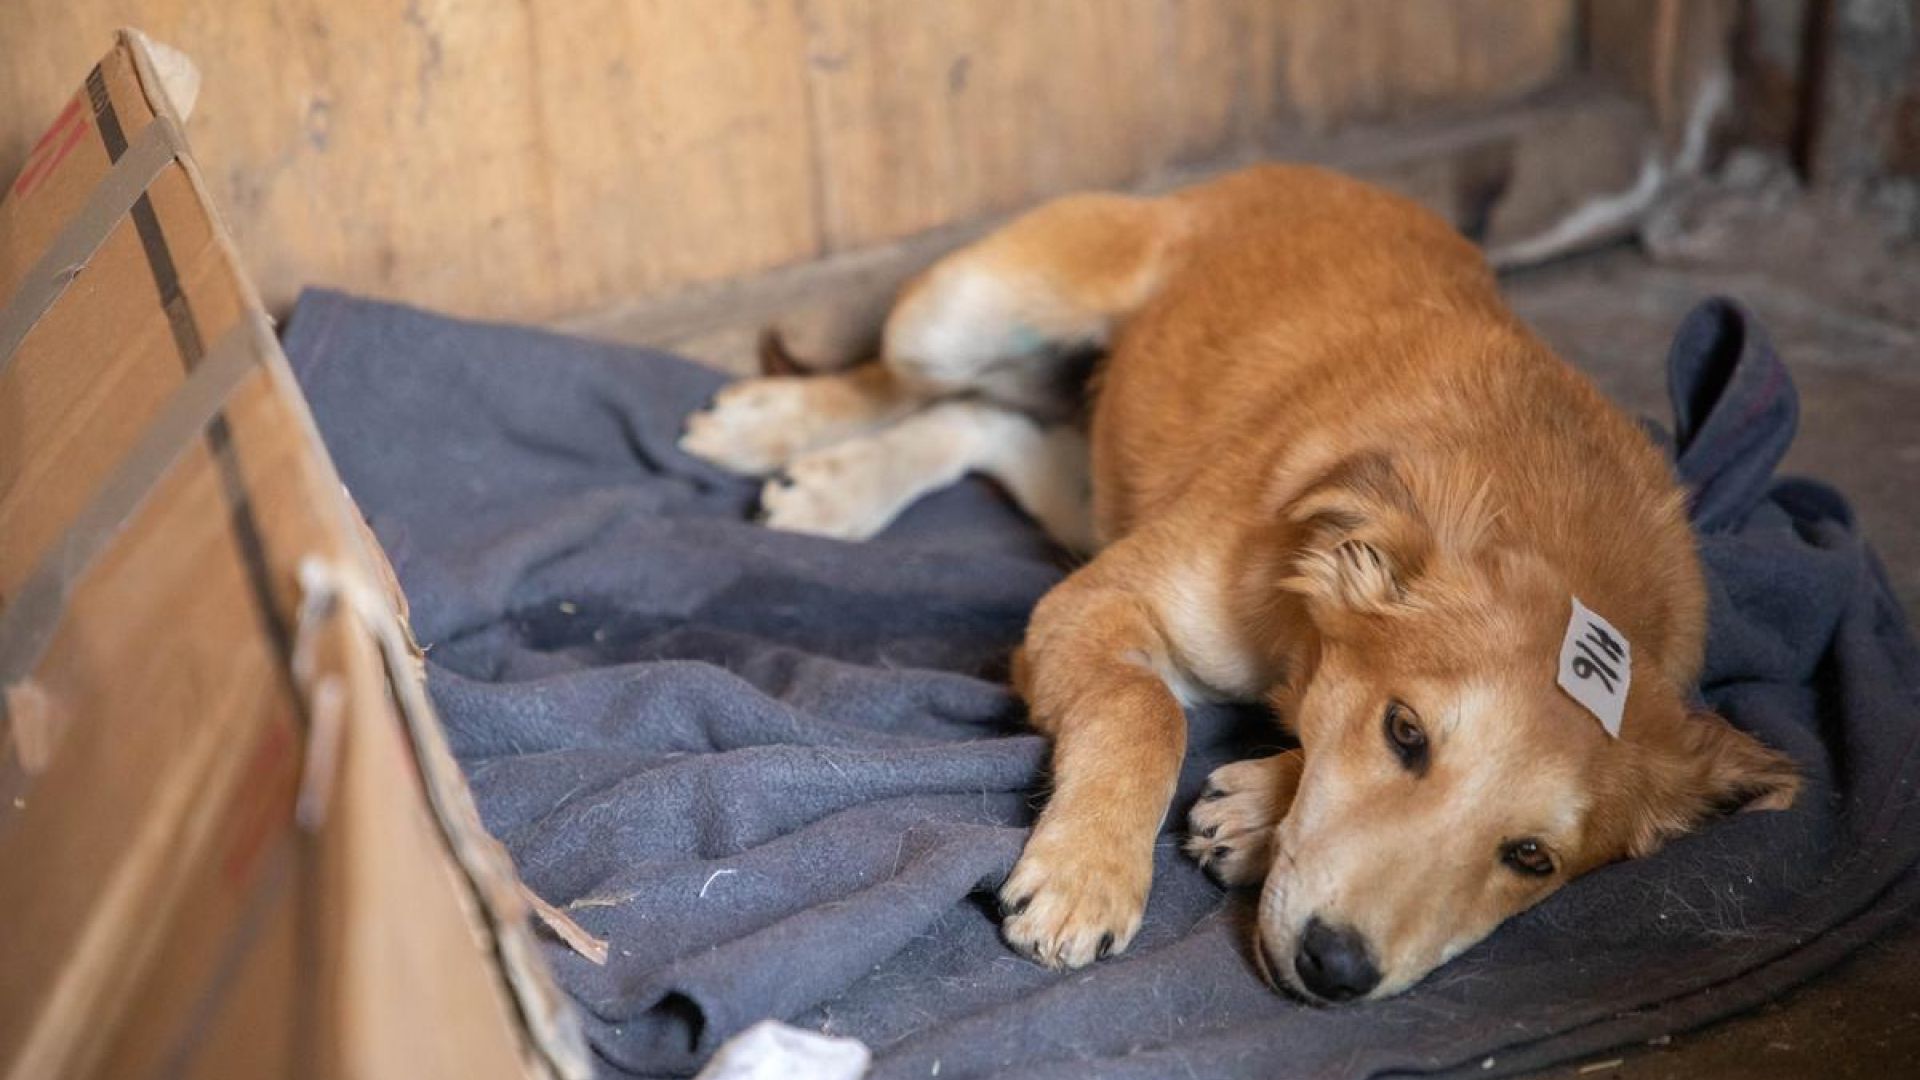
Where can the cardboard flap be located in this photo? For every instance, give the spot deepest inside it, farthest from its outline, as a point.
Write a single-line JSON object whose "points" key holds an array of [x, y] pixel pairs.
{"points": [[221, 859]]}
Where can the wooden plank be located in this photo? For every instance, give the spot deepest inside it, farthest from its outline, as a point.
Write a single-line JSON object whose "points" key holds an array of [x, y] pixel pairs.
{"points": [[490, 157], [533, 158], [931, 113], [1866, 124], [1662, 51], [673, 140], [1550, 155], [1370, 58]]}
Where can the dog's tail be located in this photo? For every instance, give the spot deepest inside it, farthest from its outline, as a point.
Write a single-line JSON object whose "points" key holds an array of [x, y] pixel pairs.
{"points": [[1017, 315]]}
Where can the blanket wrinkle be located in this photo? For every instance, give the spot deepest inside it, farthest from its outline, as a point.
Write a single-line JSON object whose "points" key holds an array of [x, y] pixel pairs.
{"points": [[798, 764]]}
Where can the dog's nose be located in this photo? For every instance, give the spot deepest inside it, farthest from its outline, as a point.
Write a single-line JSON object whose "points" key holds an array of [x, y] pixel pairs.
{"points": [[1333, 962]]}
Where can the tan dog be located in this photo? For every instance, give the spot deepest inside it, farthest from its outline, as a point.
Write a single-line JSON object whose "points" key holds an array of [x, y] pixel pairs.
{"points": [[1328, 470]]}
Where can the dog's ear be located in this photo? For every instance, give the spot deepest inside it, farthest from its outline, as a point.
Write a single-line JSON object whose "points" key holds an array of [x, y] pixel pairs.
{"points": [[1359, 538], [1692, 768]]}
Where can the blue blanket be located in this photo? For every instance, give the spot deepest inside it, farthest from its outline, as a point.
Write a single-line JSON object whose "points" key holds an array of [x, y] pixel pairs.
{"points": [[782, 775]]}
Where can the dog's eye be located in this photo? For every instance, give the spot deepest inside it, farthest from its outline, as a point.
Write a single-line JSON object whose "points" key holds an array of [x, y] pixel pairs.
{"points": [[1407, 738], [1527, 857]]}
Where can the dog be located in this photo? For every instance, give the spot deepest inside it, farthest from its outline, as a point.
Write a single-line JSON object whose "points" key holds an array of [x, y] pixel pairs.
{"points": [[1324, 467]]}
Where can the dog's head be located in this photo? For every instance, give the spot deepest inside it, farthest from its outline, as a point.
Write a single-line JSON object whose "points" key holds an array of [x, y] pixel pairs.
{"points": [[1449, 783]]}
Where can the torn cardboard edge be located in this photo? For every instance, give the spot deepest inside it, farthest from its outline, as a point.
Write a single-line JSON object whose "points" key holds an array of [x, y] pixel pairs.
{"points": [[494, 891], [174, 75]]}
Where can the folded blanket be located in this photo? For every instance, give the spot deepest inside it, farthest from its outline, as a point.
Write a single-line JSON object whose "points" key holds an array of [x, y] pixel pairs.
{"points": [[782, 775]]}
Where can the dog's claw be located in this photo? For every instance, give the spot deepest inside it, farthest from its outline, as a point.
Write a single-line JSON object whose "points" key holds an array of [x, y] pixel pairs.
{"points": [[1213, 862], [1106, 946]]}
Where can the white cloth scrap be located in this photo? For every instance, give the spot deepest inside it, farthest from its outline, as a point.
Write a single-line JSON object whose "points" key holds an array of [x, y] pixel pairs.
{"points": [[771, 1050]]}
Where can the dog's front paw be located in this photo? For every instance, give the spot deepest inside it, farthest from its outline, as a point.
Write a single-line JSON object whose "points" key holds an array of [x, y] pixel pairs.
{"points": [[756, 425], [1230, 830], [1069, 903]]}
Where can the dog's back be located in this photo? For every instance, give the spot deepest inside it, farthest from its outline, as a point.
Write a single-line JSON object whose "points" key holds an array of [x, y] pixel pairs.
{"points": [[1300, 316], [1282, 288]]}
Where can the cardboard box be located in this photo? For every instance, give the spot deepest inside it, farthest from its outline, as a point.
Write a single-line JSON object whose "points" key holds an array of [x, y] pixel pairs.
{"points": [[232, 841]]}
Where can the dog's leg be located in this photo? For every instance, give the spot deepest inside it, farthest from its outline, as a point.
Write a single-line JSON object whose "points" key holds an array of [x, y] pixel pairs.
{"points": [[1230, 830], [853, 489], [1009, 318], [1046, 470], [759, 425], [1088, 672]]}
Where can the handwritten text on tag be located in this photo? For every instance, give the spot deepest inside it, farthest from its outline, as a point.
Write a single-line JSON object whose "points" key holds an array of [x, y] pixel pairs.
{"points": [[1596, 666]]}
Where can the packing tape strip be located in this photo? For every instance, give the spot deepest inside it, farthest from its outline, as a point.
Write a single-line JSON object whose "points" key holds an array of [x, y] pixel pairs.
{"points": [[151, 151], [34, 611]]}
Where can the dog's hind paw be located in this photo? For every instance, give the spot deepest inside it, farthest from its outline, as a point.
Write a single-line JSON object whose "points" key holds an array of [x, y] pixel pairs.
{"points": [[849, 492], [759, 425], [1230, 829], [1068, 904], [753, 426]]}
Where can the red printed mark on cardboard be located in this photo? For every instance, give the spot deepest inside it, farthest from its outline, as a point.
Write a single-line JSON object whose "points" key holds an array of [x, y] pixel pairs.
{"points": [[53, 147], [264, 802]]}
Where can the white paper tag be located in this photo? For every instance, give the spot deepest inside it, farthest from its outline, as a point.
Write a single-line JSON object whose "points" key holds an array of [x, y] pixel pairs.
{"points": [[1596, 666]]}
